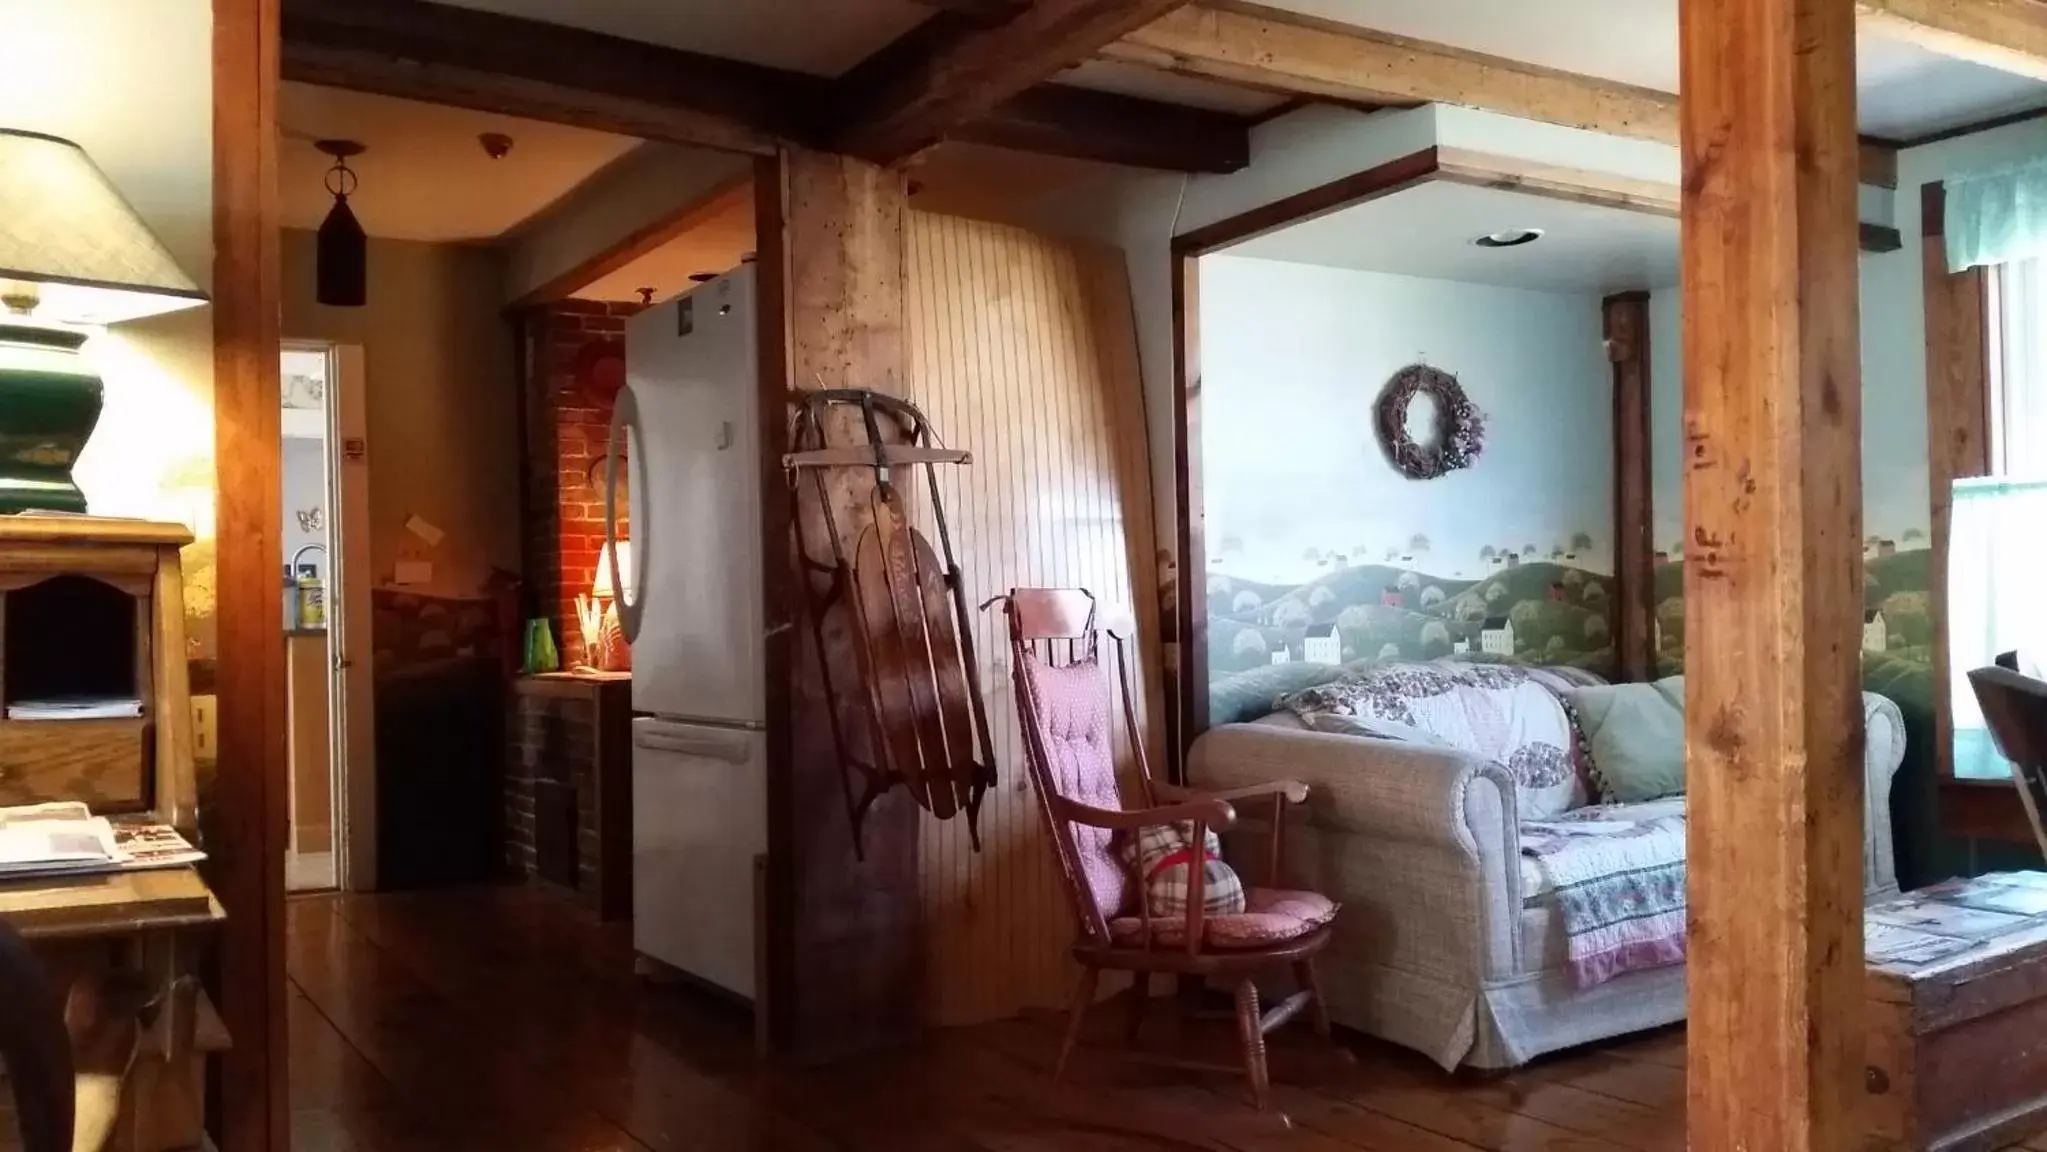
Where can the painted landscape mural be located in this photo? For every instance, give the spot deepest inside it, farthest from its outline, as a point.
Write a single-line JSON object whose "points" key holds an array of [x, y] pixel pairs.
{"points": [[1549, 610]]}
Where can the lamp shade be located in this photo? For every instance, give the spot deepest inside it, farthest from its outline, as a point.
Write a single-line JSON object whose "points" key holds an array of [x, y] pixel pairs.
{"points": [[602, 585], [72, 245]]}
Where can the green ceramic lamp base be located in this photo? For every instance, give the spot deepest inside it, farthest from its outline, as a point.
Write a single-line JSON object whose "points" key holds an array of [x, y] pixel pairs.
{"points": [[50, 401]]}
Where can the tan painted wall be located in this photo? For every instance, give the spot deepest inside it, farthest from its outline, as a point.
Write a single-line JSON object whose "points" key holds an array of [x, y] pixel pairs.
{"points": [[443, 402], [69, 69]]}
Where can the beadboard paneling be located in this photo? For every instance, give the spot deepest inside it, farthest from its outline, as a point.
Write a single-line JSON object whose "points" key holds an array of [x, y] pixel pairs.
{"points": [[1023, 351]]}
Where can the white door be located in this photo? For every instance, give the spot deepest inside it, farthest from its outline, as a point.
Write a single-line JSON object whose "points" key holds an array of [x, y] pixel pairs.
{"points": [[689, 421], [699, 819]]}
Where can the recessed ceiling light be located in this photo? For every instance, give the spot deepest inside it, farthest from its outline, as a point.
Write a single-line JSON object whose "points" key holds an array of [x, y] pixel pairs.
{"points": [[1510, 238]]}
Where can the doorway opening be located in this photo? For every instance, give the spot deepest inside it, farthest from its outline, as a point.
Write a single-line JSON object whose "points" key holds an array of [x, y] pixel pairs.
{"points": [[325, 615]]}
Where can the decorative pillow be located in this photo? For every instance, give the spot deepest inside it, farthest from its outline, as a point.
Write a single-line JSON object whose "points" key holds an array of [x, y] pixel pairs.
{"points": [[1501, 713], [1635, 734], [1163, 853]]}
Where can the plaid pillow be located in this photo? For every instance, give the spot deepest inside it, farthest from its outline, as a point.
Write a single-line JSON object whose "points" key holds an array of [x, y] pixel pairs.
{"points": [[1163, 852]]}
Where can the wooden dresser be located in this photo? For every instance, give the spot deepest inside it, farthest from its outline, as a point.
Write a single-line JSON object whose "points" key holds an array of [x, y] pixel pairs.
{"points": [[93, 606]]}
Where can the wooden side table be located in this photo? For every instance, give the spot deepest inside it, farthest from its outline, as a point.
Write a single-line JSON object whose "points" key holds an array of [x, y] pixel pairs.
{"points": [[93, 606], [569, 798]]}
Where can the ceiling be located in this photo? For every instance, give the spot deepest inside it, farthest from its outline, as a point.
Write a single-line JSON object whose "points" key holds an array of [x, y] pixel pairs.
{"points": [[1902, 90], [714, 243], [1427, 231], [424, 176]]}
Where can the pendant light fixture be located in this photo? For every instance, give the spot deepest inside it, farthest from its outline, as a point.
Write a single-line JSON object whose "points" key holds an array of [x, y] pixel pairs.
{"points": [[341, 260]]}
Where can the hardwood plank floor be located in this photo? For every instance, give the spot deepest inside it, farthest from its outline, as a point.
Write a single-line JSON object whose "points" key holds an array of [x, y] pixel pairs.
{"points": [[504, 1019]]}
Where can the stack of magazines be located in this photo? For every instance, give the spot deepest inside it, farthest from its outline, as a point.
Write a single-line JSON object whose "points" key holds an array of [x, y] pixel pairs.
{"points": [[76, 708], [67, 839]]}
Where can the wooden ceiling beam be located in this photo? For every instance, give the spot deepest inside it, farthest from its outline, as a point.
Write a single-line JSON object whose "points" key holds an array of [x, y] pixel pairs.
{"points": [[1277, 51], [1274, 50], [1082, 124], [950, 71], [504, 64], [2008, 35], [519, 67], [988, 13]]}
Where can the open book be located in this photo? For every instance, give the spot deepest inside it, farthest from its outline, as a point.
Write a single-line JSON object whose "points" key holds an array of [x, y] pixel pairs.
{"points": [[66, 838]]}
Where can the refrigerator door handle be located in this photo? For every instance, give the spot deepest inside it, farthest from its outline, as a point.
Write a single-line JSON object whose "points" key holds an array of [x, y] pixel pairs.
{"points": [[625, 417], [722, 746]]}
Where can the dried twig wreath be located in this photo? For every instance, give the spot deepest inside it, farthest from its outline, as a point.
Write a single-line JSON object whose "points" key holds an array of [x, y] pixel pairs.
{"points": [[1460, 426]]}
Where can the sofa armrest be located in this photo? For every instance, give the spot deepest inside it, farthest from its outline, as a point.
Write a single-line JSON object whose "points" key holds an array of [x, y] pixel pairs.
{"points": [[1883, 751], [1390, 788], [1420, 844]]}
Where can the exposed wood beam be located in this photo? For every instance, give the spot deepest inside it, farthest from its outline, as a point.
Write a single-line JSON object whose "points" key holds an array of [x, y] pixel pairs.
{"points": [[1957, 432], [1282, 51], [1625, 318], [1773, 575], [950, 71], [843, 947], [1061, 120], [505, 64], [2008, 35], [987, 13], [1279, 51], [249, 792], [494, 63]]}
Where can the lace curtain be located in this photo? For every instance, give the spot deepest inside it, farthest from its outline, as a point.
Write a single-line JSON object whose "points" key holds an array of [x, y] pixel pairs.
{"points": [[1997, 549], [1997, 216]]}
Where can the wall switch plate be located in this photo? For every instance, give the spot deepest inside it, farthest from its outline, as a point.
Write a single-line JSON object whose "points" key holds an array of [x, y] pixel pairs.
{"points": [[206, 728]]}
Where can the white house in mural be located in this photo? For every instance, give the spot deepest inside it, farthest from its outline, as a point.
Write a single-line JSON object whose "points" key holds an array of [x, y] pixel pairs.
{"points": [[1460, 647], [1497, 636], [1322, 645], [1283, 656], [1876, 634]]}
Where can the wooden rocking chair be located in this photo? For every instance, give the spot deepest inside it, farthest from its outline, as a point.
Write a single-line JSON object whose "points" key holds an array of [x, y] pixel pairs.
{"points": [[1064, 706]]}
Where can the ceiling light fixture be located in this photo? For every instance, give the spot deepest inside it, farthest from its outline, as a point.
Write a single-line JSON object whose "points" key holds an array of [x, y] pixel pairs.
{"points": [[496, 145], [341, 255], [1509, 238]]}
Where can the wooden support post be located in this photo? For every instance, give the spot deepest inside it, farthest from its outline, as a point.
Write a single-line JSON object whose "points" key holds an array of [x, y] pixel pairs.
{"points": [[247, 865], [1773, 574], [1957, 427], [1634, 551], [842, 935]]}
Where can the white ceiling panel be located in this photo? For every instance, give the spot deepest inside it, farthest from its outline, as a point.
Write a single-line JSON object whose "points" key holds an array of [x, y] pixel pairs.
{"points": [[425, 176], [1428, 231], [1903, 91]]}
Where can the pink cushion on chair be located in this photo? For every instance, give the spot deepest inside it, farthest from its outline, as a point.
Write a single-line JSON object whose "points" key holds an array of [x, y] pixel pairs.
{"points": [[1270, 916], [1073, 726]]}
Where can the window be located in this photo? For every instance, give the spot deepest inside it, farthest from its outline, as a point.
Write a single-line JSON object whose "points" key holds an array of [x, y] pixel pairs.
{"points": [[1997, 539], [2018, 369]]}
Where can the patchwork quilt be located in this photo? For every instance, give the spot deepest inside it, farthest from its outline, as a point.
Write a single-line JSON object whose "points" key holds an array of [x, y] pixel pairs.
{"points": [[1616, 874]]}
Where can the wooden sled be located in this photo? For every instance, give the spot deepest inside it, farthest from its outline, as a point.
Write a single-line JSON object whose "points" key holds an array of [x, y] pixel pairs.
{"points": [[908, 609]]}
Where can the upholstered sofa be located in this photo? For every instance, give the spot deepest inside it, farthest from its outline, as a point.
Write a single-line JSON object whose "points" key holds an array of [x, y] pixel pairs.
{"points": [[1437, 947]]}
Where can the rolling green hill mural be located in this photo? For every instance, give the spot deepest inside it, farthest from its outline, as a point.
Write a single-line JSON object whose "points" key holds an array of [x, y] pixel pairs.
{"points": [[1545, 612]]}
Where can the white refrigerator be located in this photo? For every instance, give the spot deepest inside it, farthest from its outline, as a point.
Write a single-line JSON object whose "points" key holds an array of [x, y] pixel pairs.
{"points": [[688, 421]]}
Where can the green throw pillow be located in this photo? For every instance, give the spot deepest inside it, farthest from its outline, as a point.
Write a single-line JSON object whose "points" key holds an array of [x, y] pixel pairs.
{"points": [[1635, 734]]}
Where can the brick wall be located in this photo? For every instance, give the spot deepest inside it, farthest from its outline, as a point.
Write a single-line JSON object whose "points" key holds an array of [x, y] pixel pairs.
{"points": [[568, 787], [574, 364]]}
